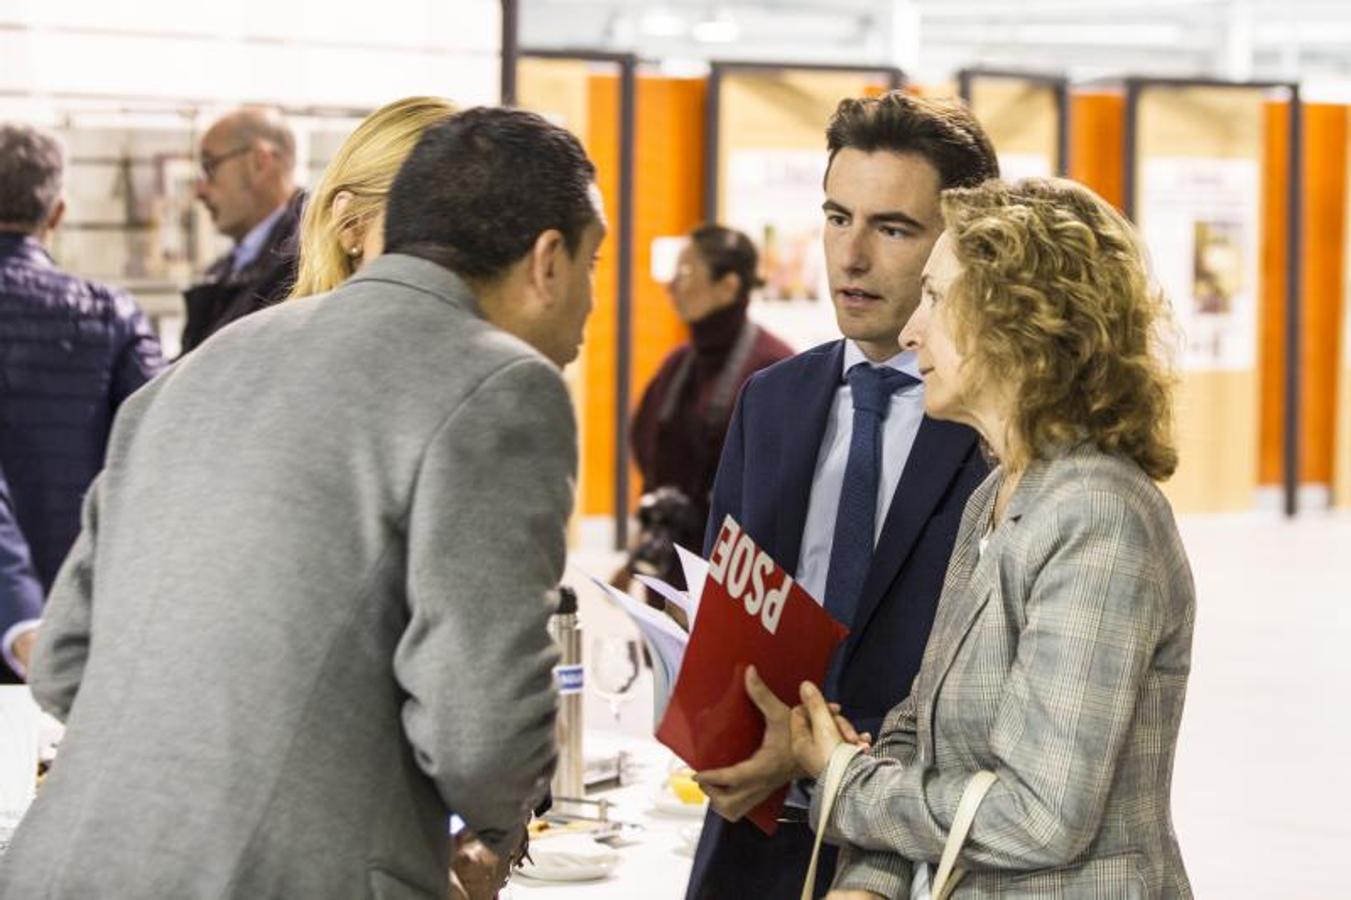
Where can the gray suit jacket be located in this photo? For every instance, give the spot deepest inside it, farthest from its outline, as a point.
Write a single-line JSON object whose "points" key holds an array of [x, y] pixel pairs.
{"points": [[306, 618], [1059, 661]]}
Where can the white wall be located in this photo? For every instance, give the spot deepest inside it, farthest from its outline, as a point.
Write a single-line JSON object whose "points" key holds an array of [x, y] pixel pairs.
{"points": [[293, 52]]}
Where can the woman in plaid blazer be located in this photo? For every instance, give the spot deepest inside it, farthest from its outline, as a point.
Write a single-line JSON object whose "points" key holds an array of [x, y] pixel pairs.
{"points": [[1060, 655]]}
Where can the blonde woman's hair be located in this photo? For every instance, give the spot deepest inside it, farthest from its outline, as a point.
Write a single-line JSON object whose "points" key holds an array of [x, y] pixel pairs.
{"points": [[365, 166], [1054, 297]]}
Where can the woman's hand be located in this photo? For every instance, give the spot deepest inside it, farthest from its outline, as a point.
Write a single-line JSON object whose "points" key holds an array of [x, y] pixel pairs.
{"points": [[817, 728], [854, 895]]}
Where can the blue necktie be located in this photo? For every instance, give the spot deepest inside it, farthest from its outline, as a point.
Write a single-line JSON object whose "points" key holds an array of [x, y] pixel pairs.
{"points": [[851, 552]]}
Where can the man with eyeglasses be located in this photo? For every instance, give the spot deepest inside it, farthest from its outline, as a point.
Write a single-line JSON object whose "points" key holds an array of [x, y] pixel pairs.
{"points": [[247, 182]]}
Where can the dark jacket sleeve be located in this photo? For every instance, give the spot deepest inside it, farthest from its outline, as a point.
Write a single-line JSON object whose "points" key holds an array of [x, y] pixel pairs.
{"points": [[138, 358], [20, 591]]}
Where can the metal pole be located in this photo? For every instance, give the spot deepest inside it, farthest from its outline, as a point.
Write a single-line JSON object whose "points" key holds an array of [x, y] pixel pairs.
{"points": [[511, 38], [712, 114], [1293, 301], [1062, 128], [628, 111], [1130, 156]]}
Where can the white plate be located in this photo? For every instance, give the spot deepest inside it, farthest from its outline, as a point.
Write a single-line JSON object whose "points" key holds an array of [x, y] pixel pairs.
{"points": [[664, 801], [569, 858]]}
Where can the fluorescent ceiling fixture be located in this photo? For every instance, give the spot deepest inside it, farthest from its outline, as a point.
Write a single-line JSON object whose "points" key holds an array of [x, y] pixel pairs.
{"points": [[722, 30], [1330, 32], [662, 23], [1137, 35]]}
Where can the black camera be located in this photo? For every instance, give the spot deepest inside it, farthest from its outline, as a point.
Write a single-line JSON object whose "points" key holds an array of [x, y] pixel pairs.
{"points": [[666, 517]]}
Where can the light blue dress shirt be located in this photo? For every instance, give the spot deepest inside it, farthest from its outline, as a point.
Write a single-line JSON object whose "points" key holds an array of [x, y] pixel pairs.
{"points": [[247, 250], [898, 437]]}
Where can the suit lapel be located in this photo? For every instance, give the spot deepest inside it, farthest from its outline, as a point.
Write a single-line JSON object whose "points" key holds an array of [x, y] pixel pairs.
{"points": [[940, 449], [806, 410]]}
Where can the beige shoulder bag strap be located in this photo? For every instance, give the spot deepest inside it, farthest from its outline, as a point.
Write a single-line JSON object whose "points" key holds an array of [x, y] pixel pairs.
{"points": [[827, 787], [947, 876]]}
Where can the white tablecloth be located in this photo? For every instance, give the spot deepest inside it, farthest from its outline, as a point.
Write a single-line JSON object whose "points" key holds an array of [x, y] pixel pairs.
{"points": [[656, 867]]}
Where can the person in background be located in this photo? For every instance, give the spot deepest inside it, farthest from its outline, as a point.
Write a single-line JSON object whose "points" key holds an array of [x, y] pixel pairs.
{"points": [[681, 421], [20, 590], [306, 620], [342, 231], [1060, 657], [71, 351], [343, 227], [247, 183], [833, 469]]}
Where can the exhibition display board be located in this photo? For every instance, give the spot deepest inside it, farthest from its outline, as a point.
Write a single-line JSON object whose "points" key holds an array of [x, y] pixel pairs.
{"points": [[633, 325], [765, 167], [584, 95], [1195, 159], [1026, 116]]}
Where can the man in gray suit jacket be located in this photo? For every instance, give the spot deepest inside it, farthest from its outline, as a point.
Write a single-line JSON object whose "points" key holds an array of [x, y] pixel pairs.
{"points": [[306, 618]]}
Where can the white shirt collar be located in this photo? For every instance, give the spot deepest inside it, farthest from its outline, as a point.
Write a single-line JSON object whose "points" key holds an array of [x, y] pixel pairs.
{"points": [[904, 361]]}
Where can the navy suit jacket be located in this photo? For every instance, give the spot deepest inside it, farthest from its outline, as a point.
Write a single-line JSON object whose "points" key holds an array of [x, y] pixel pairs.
{"points": [[764, 481]]}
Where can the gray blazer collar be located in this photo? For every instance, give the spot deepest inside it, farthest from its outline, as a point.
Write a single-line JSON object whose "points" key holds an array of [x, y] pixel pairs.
{"points": [[420, 275], [1033, 482]]}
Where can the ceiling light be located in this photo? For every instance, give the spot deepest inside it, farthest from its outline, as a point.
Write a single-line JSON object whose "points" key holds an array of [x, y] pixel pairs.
{"points": [[722, 29], [662, 23]]}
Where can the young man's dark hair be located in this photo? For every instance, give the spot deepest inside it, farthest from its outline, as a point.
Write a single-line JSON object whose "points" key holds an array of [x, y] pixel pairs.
{"points": [[725, 250], [942, 131], [478, 190]]}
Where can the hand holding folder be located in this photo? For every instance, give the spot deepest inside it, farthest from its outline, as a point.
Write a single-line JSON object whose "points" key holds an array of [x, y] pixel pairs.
{"points": [[751, 612]]}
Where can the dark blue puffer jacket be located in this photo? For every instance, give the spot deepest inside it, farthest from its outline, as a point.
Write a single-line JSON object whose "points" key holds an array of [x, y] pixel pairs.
{"points": [[71, 351]]}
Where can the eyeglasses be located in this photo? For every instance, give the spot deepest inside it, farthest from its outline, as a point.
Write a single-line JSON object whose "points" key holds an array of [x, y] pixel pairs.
{"points": [[210, 164]]}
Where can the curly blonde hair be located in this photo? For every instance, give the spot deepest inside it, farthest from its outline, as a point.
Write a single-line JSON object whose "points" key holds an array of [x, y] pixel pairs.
{"points": [[1054, 297], [364, 166]]}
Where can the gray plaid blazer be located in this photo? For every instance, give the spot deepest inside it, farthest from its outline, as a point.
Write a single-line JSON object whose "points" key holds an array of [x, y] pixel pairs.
{"points": [[1058, 661]]}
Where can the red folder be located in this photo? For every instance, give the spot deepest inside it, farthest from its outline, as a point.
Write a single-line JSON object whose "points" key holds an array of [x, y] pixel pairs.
{"points": [[751, 613]]}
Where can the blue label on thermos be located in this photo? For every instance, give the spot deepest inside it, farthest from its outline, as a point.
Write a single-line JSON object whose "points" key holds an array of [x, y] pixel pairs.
{"points": [[569, 679]]}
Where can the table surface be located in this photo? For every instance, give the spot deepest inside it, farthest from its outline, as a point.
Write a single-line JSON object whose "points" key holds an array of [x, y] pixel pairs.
{"points": [[657, 865]]}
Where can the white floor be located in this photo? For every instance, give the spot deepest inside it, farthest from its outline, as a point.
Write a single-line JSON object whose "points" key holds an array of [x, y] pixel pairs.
{"points": [[1262, 786]]}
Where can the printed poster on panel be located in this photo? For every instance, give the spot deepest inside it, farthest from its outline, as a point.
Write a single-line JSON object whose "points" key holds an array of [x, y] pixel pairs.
{"points": [[775, 196], [1200, 220]]}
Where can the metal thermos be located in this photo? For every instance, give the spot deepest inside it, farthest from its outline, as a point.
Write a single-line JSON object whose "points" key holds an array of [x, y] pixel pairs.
{"points": [[569, 677]]}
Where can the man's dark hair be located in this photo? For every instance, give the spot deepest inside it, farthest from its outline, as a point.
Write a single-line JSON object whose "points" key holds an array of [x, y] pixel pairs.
{"points": [[941, 131], [480, 188], [31, 166], [726, 250]]}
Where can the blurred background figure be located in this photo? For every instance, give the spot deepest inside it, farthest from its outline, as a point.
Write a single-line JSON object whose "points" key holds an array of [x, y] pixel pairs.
{"points": [[247, 183], [20, 592], [71, 351], [343, 226], [682, 418]]}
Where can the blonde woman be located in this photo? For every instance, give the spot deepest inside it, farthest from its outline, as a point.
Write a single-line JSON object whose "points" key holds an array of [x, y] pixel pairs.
{"points": [[344, 223], [1062, 646]]}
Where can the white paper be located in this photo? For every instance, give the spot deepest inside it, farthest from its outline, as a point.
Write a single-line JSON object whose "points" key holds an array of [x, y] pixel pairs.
{"points": [[695, 569], [20, 722], [665, 639], [677, 598]]}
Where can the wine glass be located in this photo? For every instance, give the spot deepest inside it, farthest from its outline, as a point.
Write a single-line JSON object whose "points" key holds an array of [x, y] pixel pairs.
{"points": [[614, 664]]}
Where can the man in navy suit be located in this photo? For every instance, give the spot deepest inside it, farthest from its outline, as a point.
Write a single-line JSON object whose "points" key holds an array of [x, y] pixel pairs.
{"points": [[831, 466]]}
